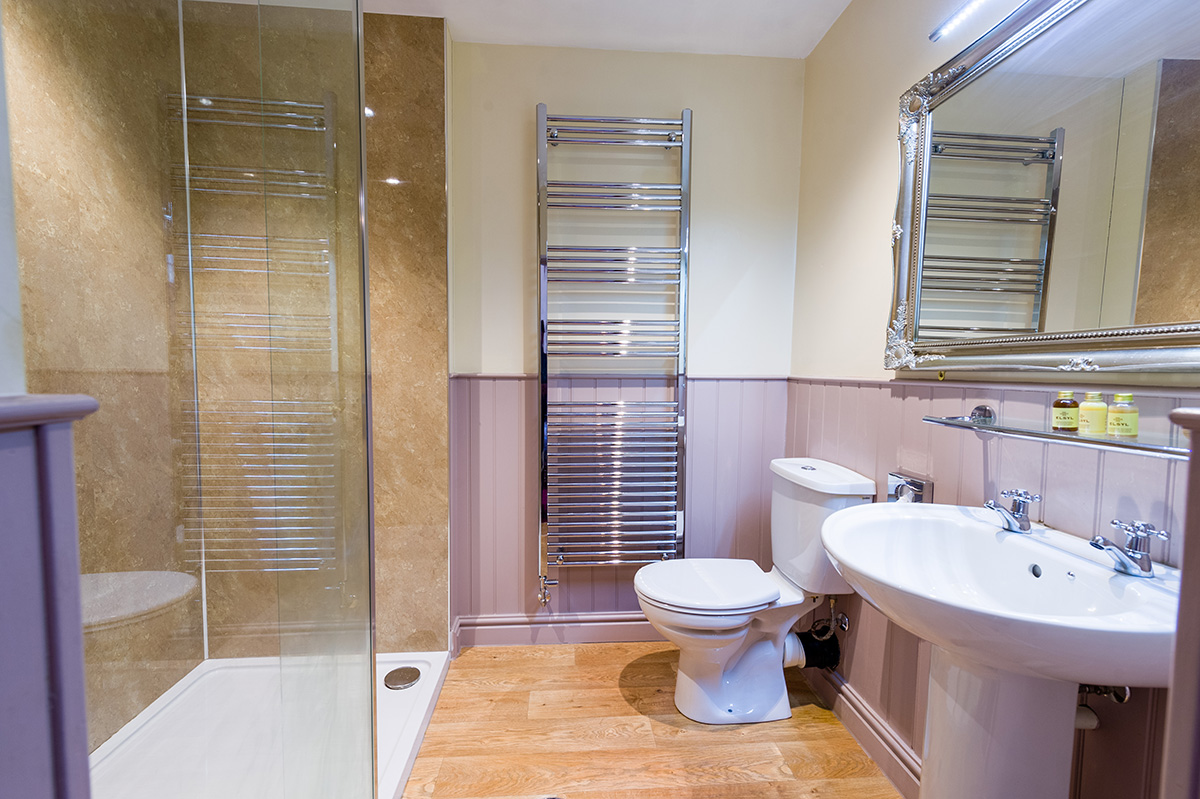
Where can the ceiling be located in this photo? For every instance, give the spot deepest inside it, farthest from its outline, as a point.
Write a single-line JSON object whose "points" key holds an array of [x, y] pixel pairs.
{"points": [[778, 28]]}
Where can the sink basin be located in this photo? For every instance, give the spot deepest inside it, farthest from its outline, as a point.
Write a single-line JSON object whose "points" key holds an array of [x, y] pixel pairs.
{"points": [[1017, 621], [1044, 604]]}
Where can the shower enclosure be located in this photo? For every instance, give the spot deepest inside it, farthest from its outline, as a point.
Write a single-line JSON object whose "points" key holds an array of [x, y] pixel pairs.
{"points": [[188, 179]]}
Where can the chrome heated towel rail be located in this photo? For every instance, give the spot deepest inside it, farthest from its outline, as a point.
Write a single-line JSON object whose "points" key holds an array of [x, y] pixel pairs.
{"points": [[987, 256], [613, 220]]}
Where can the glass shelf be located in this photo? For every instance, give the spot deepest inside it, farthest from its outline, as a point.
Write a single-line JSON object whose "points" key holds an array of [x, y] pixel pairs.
{"points": [[1173, 446]]}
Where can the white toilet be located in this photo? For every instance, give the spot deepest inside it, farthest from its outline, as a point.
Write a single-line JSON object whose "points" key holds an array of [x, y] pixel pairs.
{"points": [[732, 621]]}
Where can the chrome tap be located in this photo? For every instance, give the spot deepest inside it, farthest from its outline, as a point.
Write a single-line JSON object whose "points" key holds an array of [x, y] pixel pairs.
{"points": [[1015, 519], [1134, 558]]}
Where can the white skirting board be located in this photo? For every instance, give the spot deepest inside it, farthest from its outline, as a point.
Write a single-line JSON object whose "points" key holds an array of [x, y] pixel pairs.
{"points": [[895, 758], [576, 628]]}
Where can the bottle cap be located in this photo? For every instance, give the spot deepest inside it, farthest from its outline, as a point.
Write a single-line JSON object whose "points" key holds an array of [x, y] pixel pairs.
{"points": [[1066, 395], [1093, 395], [1122, 398]]}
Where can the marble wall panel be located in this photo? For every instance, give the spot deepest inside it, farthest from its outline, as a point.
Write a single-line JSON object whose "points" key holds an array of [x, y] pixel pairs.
{"points": [[1168, 288], [406, 232], [127, 289], [86, 84]]}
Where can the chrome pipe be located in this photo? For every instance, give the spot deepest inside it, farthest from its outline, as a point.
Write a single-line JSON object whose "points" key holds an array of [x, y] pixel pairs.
{"points": [[617, 142], [611, 131], [624, 322], [585, 184], [1016, 220], [981, 259], [995, 136], [613, 120], [591, 259], [1000, 290], [608, 354], [565, 248], [616, 207], [983, 199], [1002, 158], [991, 209], [1003, 149]]}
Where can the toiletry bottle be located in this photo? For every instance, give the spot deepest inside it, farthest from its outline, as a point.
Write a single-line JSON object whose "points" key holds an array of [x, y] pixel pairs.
{"points": [[1123, 417], [1064, 415], [1093, 415]]}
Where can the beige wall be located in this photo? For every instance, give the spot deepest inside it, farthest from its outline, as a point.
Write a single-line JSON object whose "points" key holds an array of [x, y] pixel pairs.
{"points": [[852, 84], [745, 156]]}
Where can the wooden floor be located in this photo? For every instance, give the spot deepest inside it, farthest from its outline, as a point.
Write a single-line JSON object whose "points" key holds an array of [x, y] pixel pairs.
{"points": [[597, 721]]}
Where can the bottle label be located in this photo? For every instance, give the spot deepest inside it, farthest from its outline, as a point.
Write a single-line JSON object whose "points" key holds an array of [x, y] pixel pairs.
{"points": [[1093, 421], [1065, 419], [1122, 423]]}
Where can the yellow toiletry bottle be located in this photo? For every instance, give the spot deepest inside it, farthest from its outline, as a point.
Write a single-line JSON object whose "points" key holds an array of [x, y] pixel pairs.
{"points": [[1123, 417], [1093, 415]]}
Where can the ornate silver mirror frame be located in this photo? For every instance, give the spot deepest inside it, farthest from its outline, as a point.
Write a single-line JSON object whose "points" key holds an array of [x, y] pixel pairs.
{"points": [[1159, 348]]}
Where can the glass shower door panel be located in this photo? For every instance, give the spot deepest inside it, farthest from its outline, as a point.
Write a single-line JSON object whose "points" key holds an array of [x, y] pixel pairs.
{"points": [[274, 181], [317, 387]]}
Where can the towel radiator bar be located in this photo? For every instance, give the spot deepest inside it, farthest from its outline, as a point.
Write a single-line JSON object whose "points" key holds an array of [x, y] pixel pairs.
{"points": [[994, 283], [613, 258]]}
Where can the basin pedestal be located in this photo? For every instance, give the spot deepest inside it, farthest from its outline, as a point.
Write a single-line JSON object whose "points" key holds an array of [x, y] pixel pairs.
{"points": [[992, 734]]}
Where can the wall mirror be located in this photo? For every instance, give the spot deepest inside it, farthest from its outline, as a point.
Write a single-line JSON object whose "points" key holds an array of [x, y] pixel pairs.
{"points": [[1049, 208]]}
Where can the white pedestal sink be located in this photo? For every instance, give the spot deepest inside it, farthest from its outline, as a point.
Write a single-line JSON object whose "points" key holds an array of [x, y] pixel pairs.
{"points": [[1017, 621]]}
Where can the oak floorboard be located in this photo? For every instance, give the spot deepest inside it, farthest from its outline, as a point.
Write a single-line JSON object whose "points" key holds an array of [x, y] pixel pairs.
{"points": [[609, 771], [522, 738], [636, 674], [422, 779], [807, 723], [862, 788], [488, 710], [598, 721], [839, 757], [589, 702]]}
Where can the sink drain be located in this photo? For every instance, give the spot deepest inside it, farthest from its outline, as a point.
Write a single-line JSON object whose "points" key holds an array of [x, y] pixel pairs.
{"points": [[401, 678]]}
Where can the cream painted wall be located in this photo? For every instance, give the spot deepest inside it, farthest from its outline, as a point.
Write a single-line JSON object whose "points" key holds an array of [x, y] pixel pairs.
{"points": [[852, 84], [12, 342], [746, 167]]}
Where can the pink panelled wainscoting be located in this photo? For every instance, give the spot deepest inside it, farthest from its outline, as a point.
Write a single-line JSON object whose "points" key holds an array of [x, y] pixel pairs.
{"points": [[735, 427], [874, 427]]}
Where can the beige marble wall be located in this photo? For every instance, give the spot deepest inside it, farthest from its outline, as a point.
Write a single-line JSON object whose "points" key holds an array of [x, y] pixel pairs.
{"points": [[406, 228], [1169, 280], [97, 147], [90, 148]]}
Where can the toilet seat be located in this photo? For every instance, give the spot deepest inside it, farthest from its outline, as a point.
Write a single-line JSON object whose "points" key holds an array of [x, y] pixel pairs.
{"points": [[707, 586]]}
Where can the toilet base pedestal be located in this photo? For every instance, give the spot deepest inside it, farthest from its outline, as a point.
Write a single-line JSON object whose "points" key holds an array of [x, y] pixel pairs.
{"points": [[741, 681]]}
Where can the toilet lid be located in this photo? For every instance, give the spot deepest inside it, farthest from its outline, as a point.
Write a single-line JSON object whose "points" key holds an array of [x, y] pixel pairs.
{"points": [[711, 584]]}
